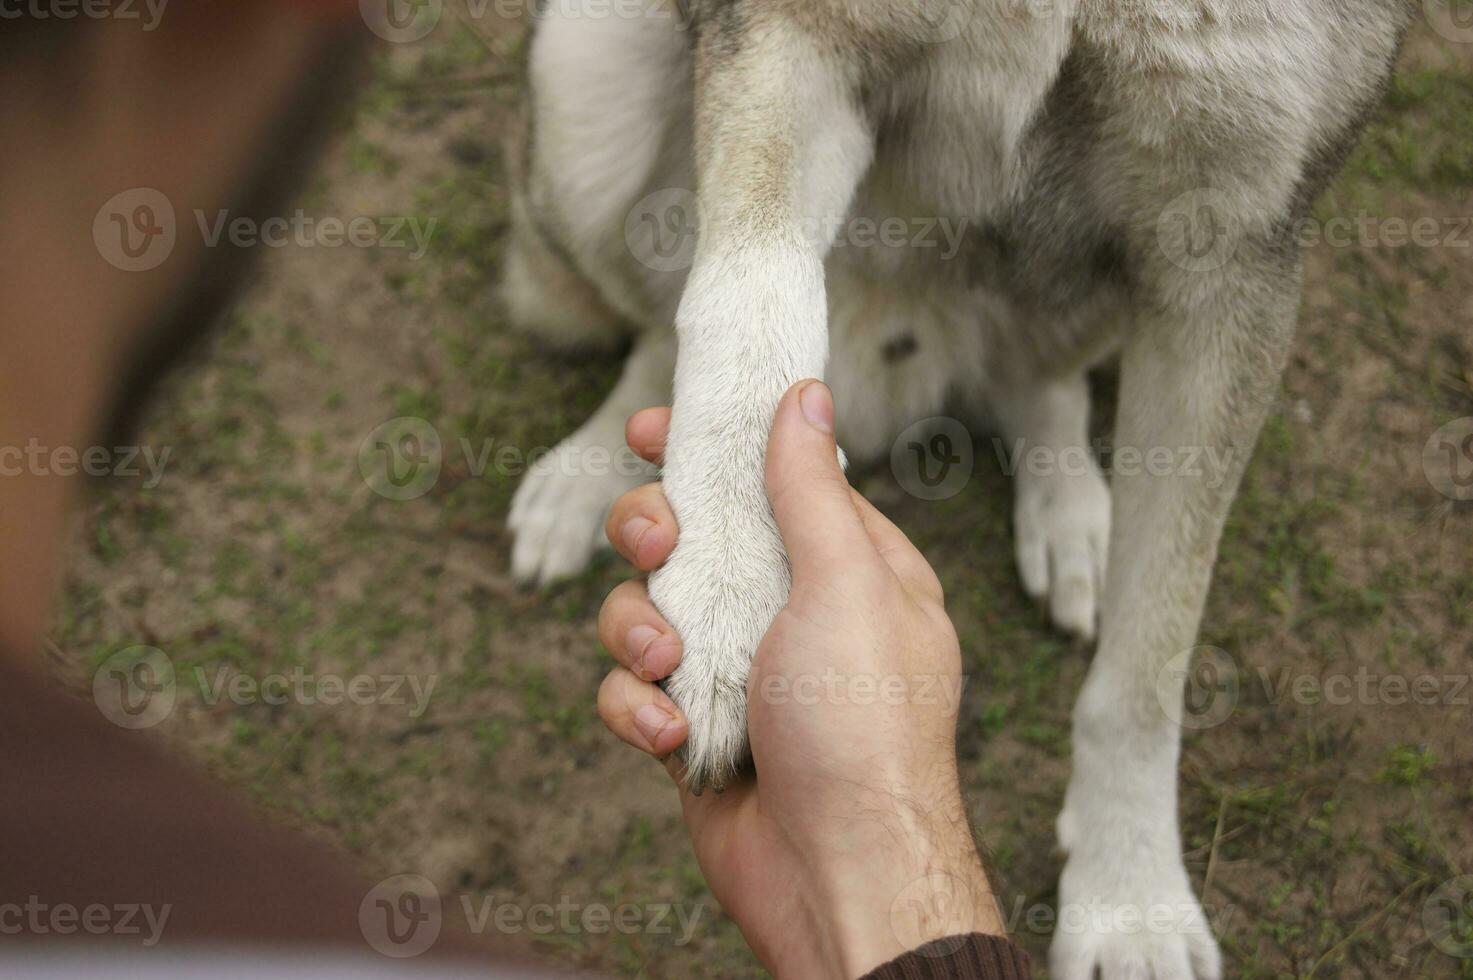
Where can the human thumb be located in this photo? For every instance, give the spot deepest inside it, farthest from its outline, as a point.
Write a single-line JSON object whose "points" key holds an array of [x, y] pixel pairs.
{"points": [[806, 486]]}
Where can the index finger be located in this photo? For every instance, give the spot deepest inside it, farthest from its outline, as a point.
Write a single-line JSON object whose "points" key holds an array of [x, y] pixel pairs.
{"points": [[908, 564]]}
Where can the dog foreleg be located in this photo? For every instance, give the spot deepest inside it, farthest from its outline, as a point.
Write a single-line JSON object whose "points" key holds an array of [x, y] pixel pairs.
{"points": [[780, 146], [1200, 371]]}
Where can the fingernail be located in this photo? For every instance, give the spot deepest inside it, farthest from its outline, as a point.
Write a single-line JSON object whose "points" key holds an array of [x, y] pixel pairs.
{"points": [[633, 530], [818, 406], [637, 642], [660, 658], [651, 721]]}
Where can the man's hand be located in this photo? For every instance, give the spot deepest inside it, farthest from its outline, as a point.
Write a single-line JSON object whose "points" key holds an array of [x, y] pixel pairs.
{"points": [[851, 846]]}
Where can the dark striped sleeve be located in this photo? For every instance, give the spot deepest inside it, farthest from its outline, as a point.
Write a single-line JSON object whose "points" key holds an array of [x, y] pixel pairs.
{"points": [[970, 957]]}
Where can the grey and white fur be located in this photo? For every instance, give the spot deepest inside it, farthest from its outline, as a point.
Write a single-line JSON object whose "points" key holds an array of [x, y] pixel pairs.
{"points": [[1125, 172]]}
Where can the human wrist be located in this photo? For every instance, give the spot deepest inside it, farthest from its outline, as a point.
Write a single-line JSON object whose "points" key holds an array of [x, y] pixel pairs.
{"points": [[913, 882]]}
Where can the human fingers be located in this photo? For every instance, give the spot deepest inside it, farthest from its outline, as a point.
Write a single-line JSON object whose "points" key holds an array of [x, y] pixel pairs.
{"points": [[641, 527], [908, 564], [646, 432], [634, 632], [641, 714]]}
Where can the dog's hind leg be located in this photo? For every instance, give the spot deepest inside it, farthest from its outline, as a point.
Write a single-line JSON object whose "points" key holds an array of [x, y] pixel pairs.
{"points": [[781, 145], [600, 126], [1061, 505], [559, 509]]}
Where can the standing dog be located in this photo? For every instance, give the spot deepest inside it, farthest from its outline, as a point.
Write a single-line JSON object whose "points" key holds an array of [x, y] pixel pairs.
{"points": [[1127, 174]]}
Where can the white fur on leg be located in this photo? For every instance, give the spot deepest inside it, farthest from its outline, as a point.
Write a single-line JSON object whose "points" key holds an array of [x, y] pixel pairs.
{"points": [[1061, 505], [783, 147], [729, 575], [1061, 523], [1125, 902], [558, 512]]}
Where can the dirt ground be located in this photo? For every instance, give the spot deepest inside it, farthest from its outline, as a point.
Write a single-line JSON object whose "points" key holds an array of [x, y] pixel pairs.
{"points": [[1323, 817]]}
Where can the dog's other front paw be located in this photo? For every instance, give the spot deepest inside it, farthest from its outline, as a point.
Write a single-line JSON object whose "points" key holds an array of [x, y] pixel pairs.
{"points": [[1130, 913], [720, 589], [1126, 906], [1061, 526], [558, 512]]}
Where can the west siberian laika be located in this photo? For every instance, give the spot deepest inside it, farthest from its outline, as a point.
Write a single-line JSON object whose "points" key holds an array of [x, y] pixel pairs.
{"points": [[1124, 175]]}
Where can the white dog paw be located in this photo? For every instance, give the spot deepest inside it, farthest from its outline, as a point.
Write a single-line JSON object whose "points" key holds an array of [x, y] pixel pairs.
{"points": [[1130, 915], [557, 515], [1061, 525], [720, 590]]}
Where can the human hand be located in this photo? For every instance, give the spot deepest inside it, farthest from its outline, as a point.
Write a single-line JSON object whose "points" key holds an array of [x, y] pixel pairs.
{"points": [[851, 846]]}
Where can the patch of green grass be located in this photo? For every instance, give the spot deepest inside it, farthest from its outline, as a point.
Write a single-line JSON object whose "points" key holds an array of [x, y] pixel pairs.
{"points": [[1408, 765], [1421, 140]]}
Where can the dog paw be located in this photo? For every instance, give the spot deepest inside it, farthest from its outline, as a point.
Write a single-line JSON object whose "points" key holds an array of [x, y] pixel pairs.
{"points": [[1061, 524], [720, 589], [558, 512], [1131, 915], [1126, 906]]}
